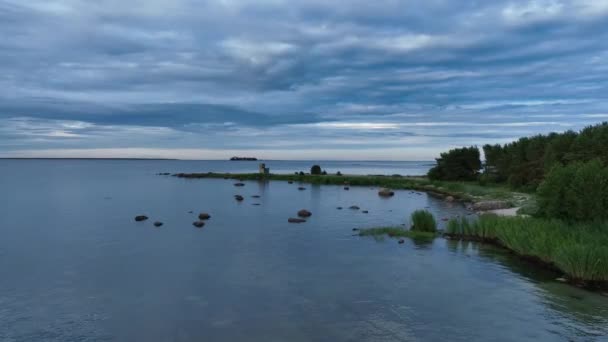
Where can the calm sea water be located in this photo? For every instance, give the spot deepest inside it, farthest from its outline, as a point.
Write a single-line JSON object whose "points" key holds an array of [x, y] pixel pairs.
{"points": [[75, 266]]}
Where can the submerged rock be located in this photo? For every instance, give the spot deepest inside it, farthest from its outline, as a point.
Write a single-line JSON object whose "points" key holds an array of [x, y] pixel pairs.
{"points": [[256, 204], [198, 224], [301, 188], [401, 241], [239, 184], [346, 188], [354, 207], [140, 218], [158, 224], [204, 216], [386, 193], [238, 198], [339, 208], [295, 220], [289, 182], [255, 196], [304, 213], [365, 211]]}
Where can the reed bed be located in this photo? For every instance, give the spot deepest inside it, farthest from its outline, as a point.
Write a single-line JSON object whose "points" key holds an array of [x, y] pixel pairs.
{"points": [[580, 250]]}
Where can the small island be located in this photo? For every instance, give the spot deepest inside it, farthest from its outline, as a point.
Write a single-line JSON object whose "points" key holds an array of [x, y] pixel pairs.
{"points": [[243, 158]]}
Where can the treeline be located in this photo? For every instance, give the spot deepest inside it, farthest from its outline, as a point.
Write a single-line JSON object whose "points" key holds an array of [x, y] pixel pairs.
{"points": [[525, 162], [569, 170]]}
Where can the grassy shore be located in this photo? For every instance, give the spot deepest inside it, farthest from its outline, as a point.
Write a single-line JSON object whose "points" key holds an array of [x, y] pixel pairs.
{"points": [[579, 250], [396, 232], [463, 191]]}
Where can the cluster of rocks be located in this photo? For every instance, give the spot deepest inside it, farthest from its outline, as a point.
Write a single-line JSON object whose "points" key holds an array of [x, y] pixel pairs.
{"points": [[302, 215], [202, 217], [141, 218]]}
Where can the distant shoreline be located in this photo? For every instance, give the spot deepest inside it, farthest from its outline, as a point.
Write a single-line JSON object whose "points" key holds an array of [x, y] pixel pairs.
{"points": [[76, 158]]}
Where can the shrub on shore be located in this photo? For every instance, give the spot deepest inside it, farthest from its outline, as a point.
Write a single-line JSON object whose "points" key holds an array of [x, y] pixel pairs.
{"points": [[423, 221], [576, 192], [315, 170], [579, 250]]}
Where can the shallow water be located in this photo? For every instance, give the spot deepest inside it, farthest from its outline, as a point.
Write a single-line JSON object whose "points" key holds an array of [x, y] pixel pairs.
{"points": [[76, 267]]}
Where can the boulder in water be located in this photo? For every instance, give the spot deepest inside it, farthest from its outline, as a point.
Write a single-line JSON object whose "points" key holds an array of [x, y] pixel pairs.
{"points": [[239, 184], [301, 188], [304, 213], [354, 207], [295, 220], [204, 216], [140, 218], [158, 224], [198, 224], [238, 198], [386, 193]]}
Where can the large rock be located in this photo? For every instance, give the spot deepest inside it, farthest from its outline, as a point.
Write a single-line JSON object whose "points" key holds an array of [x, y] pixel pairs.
{"points": [[304, 213], [238, 197], [198, 224], [386, 193], [295, 220], [140, 218], [490, 205], [354, 207], [158, 224], [204, 216]]}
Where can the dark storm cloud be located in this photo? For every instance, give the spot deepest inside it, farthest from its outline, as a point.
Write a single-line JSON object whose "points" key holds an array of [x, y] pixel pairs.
{"points": [[277, 75]]}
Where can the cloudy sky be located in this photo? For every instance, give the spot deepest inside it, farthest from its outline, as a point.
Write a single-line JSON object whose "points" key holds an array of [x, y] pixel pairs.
{"points": [[287, 79]]}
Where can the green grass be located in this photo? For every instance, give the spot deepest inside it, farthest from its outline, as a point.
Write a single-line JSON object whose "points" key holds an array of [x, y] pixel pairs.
{"points": [[396, 232], [578, 250], [465, 191], [423, 221]]}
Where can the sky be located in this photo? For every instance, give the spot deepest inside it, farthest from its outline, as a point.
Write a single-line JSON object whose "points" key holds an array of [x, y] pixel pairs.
{"points": [[288, 79]]}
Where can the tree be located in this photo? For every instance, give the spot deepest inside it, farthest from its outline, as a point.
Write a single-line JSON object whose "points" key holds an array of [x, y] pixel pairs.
{"points": [[457, 164], [315, 170]]}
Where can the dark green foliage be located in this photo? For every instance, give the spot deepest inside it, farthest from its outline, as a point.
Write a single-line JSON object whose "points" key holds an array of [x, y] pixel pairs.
{"points": [[579, 250], [457, 164], [315, 170], [524, 163], [423, 221], [324, 173], [577, 191]]}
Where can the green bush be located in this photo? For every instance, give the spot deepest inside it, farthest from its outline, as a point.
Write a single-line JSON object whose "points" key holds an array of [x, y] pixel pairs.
{"points": [[577, 192], [423, 221], [315, 170]]}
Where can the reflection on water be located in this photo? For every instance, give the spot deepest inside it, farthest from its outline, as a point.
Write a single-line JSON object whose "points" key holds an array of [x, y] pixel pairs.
{"points": [[75, 266], [584, 313]]}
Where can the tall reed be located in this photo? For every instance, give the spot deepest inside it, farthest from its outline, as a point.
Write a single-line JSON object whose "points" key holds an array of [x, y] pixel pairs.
{"points": [[579, 250]]}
